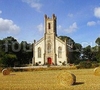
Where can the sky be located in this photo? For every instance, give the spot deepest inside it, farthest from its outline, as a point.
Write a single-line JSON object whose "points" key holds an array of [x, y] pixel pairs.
{"points": [[24, 19]]}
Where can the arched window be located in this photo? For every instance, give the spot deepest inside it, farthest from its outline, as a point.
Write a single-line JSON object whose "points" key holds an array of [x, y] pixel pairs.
{"points": [[49, 47], [59, 52], [49, 26], [39, 52]]}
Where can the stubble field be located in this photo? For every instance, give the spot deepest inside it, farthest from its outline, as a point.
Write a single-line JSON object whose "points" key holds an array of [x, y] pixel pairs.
{"points": [[47, 80]]}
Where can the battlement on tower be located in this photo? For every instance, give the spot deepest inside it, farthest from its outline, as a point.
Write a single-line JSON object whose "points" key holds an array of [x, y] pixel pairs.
{"points": [[53, 17]]}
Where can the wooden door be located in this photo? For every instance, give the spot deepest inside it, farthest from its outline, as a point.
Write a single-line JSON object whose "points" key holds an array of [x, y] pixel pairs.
{"points": [[49, 60]]}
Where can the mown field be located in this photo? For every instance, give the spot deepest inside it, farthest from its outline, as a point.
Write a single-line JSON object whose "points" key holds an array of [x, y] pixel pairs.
{"points": [[47, 80]]}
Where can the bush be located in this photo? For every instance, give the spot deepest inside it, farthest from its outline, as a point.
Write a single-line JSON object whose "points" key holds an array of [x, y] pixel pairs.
{"points": [[88, 64], [82, 64], [37, 64], [9, 59], [95, 64], [85, 64]]}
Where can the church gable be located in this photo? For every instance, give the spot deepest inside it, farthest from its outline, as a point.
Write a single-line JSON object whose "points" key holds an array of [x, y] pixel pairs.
{"points": [[60, 51], [59, 40], [39, 41], [39, 52]]}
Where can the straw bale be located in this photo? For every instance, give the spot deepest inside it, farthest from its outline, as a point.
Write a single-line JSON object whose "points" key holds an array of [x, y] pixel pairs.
{"points": [[97, 71], [6, 71], [66, 78]]}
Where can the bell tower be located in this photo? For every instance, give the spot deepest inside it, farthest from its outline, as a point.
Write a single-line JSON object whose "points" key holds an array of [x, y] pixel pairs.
{"points": [[50, 25], [49, 39]]}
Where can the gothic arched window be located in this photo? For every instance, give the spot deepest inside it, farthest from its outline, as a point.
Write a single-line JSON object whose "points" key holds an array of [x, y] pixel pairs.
{"points": [[49, 26], [39, 52], [49, 47], [59, 52]]}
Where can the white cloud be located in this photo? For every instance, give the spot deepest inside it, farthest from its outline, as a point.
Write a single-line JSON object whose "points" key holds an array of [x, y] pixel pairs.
{"points": [[0, 11], [8, 26], [97, 12], [34, 4], [40, 27], [70, 15], [91, 23], [72, 28]]}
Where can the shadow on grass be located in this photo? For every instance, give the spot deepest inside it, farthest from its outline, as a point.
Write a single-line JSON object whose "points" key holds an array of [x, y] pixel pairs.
{"points": [[79, 83]]}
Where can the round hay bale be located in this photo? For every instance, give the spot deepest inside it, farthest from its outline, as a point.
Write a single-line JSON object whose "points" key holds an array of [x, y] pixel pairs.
{"points": [[66, 78], [5, 71], [97, 71]]}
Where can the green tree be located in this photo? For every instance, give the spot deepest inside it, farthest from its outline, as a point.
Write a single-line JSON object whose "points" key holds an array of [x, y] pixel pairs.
{"points": [[98, 41], [8, 60], [9, 47], [77, 52], [89, 53], [98, 52], [9, 44], [1, 52], [25, 53]]}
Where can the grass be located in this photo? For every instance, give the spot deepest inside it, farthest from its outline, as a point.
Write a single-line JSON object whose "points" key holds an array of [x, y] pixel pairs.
{"points": [[47, 80]]}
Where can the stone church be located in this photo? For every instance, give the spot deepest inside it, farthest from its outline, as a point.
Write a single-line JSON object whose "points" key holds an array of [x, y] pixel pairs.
{"points": [[50, 49]]}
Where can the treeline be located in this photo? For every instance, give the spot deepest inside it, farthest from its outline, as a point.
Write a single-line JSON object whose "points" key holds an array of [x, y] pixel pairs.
{"points": [[77, 53], [13, 53]]}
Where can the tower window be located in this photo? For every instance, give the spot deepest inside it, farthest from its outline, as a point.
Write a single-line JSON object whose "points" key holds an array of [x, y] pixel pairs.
{"points": [[49, 26]]}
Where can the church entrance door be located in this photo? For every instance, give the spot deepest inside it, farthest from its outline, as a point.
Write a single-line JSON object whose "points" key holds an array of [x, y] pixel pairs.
{"points": [[49, 60]]}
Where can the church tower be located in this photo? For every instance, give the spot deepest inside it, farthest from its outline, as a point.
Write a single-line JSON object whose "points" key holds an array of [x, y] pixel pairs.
{"points": [[50, 49], [49, 40]]}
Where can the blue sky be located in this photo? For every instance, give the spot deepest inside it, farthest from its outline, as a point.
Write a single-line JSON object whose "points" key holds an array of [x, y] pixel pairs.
{"points": [[24, 19]]}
